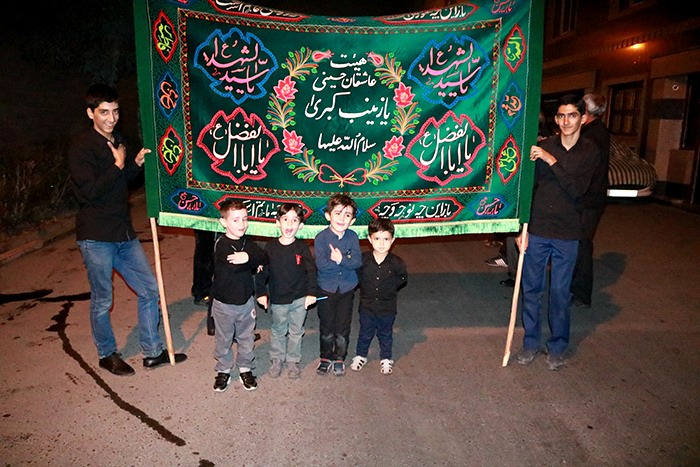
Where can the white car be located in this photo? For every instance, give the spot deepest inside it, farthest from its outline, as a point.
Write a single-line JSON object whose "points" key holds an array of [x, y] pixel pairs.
{"points": [[629, 175]]}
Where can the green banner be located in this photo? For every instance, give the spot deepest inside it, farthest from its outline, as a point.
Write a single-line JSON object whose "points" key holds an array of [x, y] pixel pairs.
{"points": [[420, 117]]}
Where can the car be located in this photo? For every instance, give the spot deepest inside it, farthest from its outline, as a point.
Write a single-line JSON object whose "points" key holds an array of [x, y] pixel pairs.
{"points": [[629, 175]]}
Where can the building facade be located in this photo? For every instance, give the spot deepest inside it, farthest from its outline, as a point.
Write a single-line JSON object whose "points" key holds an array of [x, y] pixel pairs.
{"points": [[644, 56]]}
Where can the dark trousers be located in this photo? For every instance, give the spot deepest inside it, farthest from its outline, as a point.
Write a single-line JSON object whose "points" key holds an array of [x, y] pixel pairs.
{"points": [[380, 325], [561, 255], [203, 263], [511, 254], [582, 280], [335, 316]]}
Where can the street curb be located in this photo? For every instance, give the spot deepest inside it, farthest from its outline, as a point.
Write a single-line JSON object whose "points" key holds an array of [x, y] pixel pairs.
{"points": [[15, 247]]}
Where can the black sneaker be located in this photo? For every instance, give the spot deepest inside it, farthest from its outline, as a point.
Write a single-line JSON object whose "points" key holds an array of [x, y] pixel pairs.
{"points": [[248, 381], [526, 356], [555, 362], [221, 381], [325, 367], [339, 368]]}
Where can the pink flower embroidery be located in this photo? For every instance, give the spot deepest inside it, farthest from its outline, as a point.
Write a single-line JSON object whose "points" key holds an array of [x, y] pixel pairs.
{"points": [[319, 55], [403, 95], [376, 58], [285, 89], [343, 20], [393, 147], [292, 142]]}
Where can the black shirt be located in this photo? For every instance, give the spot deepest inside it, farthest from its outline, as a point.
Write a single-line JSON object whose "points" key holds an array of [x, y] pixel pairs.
{"points": [[233, 283], [558, 189], [291, 272], [379, 283], [101, 188]]}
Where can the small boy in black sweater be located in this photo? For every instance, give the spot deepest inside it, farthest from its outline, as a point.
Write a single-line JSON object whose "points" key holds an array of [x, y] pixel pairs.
{"points": [[236, 259], [292, 289], [381, 276]]}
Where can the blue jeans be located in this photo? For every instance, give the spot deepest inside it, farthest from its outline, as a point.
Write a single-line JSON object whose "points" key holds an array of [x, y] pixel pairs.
{"points": [[287, 330], [129, 260], [562, 255], [382, 326]]}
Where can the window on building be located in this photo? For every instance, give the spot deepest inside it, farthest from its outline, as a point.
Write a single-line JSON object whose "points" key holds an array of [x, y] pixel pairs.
{"points": [[690, 138], [627, 4], [625, 105], [564, 19], [624, 7]]}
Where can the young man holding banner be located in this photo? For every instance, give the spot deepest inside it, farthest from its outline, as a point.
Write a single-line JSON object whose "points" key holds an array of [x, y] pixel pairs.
{"points": [[101, 170], [564, 168]]}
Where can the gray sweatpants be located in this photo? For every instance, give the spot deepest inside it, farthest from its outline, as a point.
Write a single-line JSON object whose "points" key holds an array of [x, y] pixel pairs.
{"points": [[234, 322]]}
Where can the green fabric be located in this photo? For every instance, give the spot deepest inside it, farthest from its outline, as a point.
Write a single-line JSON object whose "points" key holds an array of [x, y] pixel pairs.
{"points": [[424, 118]]}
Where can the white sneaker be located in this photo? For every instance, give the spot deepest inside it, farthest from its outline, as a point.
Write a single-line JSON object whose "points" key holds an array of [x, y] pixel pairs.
{"points": [[357, 363], [386, 366], [497, 262]]}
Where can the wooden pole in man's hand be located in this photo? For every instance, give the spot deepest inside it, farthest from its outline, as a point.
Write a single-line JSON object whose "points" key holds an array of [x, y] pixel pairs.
{"points": [[514, 303], [161, 290]]}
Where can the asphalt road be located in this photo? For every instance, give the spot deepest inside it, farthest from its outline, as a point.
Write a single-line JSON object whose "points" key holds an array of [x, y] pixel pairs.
{"points": [[628, 394]]}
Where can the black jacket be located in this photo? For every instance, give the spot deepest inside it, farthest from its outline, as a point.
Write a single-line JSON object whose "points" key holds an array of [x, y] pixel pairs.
{"points": [[101, 188]]}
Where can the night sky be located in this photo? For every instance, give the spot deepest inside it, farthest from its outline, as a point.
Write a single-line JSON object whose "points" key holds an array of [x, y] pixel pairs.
{"points": [[52, 51]]}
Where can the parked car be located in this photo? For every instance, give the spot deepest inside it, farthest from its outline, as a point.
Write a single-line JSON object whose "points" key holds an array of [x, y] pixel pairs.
{"points": [[629, 175]]}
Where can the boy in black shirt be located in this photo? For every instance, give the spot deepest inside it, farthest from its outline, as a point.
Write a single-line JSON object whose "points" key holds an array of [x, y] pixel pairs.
{"points": [[236, 258], [292, 284], [381, 276], [564, 167]]}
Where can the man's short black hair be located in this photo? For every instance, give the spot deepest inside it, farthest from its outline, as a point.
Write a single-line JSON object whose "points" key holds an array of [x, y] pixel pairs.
{"points": [[572, 99], [99, 93]]}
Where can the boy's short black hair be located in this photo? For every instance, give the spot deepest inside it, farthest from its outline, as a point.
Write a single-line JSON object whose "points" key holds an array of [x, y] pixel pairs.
{"points": [[572, 99], [380, 224], [231, 205], [341, 199], [99, 93], [284, 208]]}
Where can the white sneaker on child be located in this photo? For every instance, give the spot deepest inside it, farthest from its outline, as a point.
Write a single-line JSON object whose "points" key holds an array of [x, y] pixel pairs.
{"points": [[386, 366], [357, 363]]}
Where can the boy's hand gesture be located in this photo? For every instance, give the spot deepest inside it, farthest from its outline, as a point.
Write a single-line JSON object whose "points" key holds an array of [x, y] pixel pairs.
{"points": [[262, 301], [119, 154], [141, 156], [336, 254], [310, 300], [239, 257]]}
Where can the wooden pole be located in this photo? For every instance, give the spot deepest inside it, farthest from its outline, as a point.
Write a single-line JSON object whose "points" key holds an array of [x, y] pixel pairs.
{"points": [[161, 290], [514, 303]]}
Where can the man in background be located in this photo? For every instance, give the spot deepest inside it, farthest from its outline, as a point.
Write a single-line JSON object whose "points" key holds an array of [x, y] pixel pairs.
{"points": [[593, 202]]}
